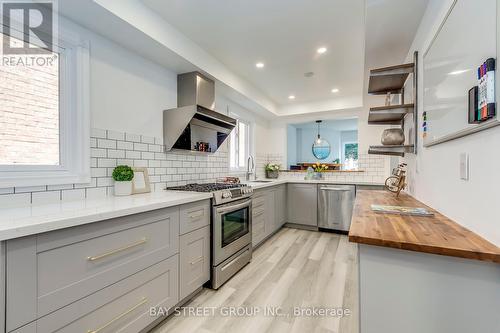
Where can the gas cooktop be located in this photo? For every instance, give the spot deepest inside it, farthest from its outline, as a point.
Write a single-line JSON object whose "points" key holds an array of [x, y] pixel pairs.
{"points": [[208, 187], [222, 192]]}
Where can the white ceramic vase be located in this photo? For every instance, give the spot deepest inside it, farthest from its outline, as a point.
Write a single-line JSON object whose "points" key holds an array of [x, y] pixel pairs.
{"points": [[123, 188]]}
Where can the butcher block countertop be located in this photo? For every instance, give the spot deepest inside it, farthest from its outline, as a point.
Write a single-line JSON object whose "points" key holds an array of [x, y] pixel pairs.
{"points": [[437, 234]]}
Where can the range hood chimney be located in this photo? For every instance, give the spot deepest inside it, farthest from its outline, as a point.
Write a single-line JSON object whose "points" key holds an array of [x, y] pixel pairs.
{"points": [[195, 125]]}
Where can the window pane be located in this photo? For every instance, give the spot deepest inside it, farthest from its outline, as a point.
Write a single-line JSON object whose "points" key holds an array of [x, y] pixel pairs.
{"points": [[232, 149], [242, 140], [29, 111]]}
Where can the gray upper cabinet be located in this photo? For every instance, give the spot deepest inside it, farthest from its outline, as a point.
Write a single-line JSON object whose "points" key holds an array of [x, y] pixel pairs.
{"points": [[194, 260], [302, 202]]}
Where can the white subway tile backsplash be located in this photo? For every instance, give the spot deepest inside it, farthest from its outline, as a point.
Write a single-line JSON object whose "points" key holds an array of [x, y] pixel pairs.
{"points": [[132, 154], [114, 135], [132, 137], [112, 153], [140, 146], [125, 145], [15, 200], [147, 139], [26, 189], [98, 152], [95, 193], [106, 163], [98, 133], [39, 198], [105, 143], [105, 181], [72, 195]]}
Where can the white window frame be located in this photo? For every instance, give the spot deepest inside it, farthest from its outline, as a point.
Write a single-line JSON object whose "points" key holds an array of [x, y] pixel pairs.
{"points": [[342, 159], [74, 123], [249, 138]]}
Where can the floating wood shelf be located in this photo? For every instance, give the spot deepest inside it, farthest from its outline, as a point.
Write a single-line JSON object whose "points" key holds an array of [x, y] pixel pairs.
{"points": [[389, 79], [389, 115], [399, 150]]}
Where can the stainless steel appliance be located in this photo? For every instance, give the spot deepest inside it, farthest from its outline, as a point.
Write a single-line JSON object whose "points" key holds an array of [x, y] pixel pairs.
{"points": [[231, 227], [335, 205], [195, 125]]}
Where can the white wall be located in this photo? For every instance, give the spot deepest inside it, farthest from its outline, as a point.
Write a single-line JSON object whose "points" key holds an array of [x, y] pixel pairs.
{"points": [[127, 92], [434, 173]]}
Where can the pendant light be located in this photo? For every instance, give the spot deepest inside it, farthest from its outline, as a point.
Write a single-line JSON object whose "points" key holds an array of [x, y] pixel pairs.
{"points": [[320, 147]]}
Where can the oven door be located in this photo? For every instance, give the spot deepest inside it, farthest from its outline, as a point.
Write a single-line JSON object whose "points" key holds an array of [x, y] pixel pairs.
{"points": [[232, 229]]}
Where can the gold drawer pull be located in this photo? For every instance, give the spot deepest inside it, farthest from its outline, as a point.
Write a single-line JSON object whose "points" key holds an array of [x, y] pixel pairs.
{"points": [[197, 260], [107, 254], [143, 301], [197, 214]]}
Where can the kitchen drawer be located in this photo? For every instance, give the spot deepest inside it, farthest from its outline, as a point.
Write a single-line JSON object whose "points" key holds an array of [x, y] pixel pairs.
{"points": [[259, 201], [48, 271], [122, 307], [194, 253], [194, 216]]}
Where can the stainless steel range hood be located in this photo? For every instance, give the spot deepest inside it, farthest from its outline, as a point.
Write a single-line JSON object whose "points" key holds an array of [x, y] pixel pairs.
{"points": [[194, 125]]}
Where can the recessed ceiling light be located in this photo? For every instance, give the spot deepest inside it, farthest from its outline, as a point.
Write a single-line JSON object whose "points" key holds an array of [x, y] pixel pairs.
{"points": [[335, 90], [291, 97], [259, 65], [321, 50]]}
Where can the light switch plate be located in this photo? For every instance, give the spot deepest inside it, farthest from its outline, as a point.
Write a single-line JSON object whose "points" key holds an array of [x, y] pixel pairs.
{"points": [[464, 166]]}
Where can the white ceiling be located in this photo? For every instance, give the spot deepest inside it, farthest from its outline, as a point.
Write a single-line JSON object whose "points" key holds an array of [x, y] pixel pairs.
{"points": [[335, 125], [284, 34]]}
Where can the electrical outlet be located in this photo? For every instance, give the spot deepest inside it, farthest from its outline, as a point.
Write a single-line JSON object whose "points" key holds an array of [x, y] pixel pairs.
{"points": [[464, 166]]}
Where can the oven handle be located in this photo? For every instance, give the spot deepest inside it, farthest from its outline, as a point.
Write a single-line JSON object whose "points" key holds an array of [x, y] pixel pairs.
{"points": [[231, 207]]}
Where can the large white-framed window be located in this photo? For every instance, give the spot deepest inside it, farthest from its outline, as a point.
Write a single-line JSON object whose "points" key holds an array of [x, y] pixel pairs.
{"points": [[44, 115], [240, 145]]}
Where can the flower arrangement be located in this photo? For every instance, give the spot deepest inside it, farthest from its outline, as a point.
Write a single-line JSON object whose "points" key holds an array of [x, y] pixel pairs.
{"points": [[272, 170], [123, 173], [319, 167], [273, 167]]}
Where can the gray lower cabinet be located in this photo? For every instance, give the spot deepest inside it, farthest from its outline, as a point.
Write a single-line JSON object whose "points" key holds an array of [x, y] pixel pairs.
{"points": [[302, 202], [2, 286], [269, 212], [194, 260], [280, 197], [104, 276]]}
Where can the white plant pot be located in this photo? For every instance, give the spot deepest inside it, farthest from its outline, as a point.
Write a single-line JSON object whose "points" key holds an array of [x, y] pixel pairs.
{"points": [[123, 188]]}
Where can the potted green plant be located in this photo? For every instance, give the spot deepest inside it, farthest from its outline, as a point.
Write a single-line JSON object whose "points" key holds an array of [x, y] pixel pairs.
{"points": [[123, 175], [272, 170], [318, 169]]}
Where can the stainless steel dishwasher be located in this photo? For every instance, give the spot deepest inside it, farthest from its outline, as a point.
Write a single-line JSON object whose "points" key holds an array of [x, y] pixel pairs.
{"points": [[335, 205]]}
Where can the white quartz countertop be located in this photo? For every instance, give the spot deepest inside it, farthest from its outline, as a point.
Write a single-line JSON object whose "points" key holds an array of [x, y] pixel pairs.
{"points": [[33, 219], [268, 182]]}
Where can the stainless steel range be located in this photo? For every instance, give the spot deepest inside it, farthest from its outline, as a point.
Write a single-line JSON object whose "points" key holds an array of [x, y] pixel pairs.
{"points": [[231, 227]]}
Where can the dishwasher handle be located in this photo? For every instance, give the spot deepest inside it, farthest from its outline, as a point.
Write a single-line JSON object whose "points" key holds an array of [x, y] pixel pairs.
{"points": [[336, 189]]}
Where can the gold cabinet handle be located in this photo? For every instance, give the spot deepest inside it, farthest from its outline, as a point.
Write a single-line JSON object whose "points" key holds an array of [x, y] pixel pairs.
{"points": [[126, 247], [97, 330], [197, 260], [196, 214]]}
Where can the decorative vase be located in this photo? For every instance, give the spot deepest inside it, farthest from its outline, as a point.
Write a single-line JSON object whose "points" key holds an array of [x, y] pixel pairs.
{"points": [[393, 137], [123, 188], [318, 175], [273, 174]]}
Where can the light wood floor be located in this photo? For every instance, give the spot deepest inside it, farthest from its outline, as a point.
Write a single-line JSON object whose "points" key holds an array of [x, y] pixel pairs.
{"points": [[294, 268]]}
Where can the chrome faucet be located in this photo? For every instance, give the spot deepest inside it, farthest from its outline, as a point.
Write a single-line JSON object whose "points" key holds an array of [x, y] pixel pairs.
{"points": [[250, 169]]}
